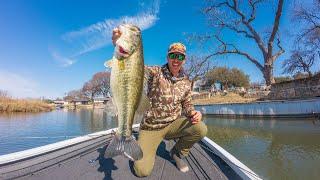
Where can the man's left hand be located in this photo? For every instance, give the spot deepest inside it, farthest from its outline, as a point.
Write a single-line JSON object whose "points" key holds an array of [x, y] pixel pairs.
{"points": [[196, 117]]}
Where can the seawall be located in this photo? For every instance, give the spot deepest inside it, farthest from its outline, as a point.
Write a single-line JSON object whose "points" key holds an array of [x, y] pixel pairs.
{"points": [[276, 108]]}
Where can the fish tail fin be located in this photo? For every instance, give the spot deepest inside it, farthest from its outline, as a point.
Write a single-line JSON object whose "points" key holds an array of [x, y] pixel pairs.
{"points": [[115, 147], [129, 147], [132, 150]]}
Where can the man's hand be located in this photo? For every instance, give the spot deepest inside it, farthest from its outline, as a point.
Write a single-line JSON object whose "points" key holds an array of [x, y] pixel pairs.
{"points": [[196, 117], [116, 33]]}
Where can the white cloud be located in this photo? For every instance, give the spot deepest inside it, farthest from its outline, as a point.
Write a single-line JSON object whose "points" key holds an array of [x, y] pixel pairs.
{"points": [[64, 61], [18, 85], [99, 34]]}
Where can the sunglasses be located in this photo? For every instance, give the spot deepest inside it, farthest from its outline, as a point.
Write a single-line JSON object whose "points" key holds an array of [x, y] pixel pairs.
{"points": [[178, 56]]}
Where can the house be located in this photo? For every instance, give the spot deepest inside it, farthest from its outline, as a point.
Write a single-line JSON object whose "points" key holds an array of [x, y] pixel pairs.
{"points": [[79, 102], [101, 100], [58, 102], [199, 85]]}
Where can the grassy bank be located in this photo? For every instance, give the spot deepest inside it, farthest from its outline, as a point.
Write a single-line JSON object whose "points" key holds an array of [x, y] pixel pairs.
{"points": [[221, 99], [22, 105]]}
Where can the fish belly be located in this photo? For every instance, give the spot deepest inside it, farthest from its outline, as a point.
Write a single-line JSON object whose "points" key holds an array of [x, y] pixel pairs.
{"points": [[126, 87]]}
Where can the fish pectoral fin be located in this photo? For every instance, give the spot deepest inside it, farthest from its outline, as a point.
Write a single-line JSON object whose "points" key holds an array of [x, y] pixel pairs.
{"points": [[110, 108], [115, 147], [143, 106], [108, 63], [132, 150], [146, 76], [144, 103]]}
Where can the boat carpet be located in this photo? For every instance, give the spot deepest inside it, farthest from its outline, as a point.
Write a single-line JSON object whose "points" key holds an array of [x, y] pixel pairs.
{"points": [[85, 161]]}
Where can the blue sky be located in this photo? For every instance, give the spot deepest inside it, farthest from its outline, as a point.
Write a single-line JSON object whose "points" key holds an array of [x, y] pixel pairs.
{"points": [[48, 48]]}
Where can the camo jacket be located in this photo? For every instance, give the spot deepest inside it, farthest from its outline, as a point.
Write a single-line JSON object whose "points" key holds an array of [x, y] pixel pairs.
{"points": [[170, 98]]}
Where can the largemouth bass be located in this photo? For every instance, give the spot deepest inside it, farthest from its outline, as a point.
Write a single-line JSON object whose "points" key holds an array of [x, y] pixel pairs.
{"points": [[126, 82]]}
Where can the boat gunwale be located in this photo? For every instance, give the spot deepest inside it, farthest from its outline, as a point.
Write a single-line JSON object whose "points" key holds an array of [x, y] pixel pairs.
{"points": [[45, 149], [242, 170]]}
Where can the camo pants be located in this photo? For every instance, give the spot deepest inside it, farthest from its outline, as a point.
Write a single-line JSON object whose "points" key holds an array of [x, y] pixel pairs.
{"points": [[182, 129]]}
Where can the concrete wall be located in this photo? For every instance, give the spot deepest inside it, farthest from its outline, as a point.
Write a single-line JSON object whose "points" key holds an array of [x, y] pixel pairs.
{"points": [[301, 88], [265, 108]]}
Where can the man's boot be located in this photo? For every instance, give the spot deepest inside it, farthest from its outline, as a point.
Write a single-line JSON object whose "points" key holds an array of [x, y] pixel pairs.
{"points": [[181, 165]]}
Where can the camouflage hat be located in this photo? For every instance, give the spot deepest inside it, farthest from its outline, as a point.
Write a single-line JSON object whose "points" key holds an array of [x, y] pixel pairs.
{"points": [[177, 47]]}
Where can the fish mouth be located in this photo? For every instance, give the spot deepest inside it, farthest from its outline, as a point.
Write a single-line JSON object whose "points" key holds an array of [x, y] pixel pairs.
{"points": [[123, 51]]}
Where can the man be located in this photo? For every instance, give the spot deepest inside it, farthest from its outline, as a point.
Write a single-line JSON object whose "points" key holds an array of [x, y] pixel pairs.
{"points": [[169, 91]]}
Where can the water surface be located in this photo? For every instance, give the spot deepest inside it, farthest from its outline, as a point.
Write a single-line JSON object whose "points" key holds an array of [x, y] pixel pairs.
{"points": [[273, 148], [20, 131]]}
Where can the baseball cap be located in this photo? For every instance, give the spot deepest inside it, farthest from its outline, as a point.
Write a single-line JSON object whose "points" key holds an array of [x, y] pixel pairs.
{"points": [[177, 47]]}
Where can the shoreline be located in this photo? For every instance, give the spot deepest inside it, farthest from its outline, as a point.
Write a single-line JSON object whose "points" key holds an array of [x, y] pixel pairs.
{"points": [[275, 108], [223, 99], [9, 105]]}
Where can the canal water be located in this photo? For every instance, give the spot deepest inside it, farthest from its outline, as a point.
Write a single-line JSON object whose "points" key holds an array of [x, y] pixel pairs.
{"points": [[273, 148]]}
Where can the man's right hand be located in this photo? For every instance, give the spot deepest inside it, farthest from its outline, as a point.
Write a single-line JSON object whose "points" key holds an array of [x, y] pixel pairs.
{"points": [[196, 117], [116, 33]]}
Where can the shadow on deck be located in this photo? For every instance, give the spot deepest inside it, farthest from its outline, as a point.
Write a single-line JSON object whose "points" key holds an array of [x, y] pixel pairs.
{"points": [[90, 164]]}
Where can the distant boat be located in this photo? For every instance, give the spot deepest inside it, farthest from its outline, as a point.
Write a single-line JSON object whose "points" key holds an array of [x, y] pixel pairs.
{"points": [[59, 106], [82, 158]]}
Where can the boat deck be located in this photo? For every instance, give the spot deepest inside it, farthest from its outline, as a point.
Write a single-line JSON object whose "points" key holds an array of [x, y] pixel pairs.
{"points": [[85, 161]]}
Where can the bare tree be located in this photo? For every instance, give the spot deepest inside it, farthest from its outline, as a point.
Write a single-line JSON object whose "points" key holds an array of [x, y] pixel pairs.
{"points": [[102, 80], [238, 17], [98, 85], [306, 51], [299, 61], [90, 90], [308, 17], [196, 67], [74, 95]]}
